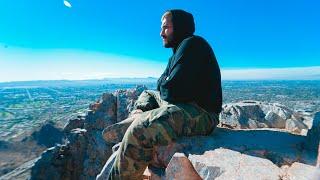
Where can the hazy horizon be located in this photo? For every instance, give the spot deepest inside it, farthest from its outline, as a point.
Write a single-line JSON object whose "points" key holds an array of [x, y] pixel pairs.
{"points": [[254, 74]]}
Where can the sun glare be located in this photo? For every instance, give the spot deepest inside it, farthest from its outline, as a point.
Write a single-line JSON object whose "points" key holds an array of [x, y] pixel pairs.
{"points": [[66, 3]]}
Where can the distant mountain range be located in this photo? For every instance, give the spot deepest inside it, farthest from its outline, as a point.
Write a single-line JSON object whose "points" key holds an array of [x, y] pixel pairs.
{"points": [[64, 83], [122, 81]]}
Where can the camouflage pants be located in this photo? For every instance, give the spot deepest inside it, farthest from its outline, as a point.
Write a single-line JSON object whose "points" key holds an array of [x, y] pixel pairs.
{"points": [[160, 124]]}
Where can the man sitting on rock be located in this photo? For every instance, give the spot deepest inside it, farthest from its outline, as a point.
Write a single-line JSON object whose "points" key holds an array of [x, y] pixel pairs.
{"points": [[188, 103]]}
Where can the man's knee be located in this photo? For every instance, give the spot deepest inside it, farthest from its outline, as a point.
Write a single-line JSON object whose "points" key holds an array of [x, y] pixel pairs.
{"points": [[135, 134], [151, 128], [146, 101]]}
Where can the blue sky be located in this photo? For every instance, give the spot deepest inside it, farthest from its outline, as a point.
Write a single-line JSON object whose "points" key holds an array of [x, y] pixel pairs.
{"points": [[101, 38]]}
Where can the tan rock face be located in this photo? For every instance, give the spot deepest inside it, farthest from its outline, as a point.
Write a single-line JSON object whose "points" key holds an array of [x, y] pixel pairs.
{"points": [[228, 164], [244, 154], [255, 114], [221, 164]]}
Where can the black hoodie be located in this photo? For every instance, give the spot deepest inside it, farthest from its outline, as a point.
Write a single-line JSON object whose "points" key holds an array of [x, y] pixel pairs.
{"points": [[192, 73]]}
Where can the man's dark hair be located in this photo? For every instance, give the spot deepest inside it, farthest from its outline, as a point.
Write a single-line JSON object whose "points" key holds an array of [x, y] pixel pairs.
{"points": [[183, 24]]}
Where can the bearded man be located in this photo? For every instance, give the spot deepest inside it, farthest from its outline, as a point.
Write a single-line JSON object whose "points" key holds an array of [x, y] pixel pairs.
{"points": [[187, 103]]}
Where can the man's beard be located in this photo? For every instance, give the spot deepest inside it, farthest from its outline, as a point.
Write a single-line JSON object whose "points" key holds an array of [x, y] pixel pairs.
{"points": [[170, 42]]}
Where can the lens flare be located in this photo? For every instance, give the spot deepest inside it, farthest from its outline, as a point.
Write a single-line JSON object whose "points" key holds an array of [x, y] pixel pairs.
{"points": [[66, 3]]}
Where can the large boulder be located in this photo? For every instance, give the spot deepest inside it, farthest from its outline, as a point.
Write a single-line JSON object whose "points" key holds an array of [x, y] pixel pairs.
{"points": [[255, 114], [229, 164], [244, 154], [264, 143], [224, 163]]}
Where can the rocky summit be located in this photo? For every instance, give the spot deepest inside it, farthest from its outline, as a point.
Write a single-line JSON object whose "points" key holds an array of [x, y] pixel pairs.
{"points": [[254, 140]]}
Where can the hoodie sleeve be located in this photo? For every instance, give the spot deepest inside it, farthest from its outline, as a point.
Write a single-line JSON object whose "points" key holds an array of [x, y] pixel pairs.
{"points": [[184, 74]]}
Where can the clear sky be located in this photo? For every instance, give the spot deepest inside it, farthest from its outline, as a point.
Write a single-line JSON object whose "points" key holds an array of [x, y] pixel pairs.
{"points": [[101, 38]]}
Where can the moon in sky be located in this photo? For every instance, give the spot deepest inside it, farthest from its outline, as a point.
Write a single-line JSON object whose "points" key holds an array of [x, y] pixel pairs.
{"points": [[66, 3]]}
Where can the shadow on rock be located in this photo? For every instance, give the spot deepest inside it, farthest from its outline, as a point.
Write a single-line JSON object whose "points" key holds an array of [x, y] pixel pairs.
{"points": [[279, 147]]}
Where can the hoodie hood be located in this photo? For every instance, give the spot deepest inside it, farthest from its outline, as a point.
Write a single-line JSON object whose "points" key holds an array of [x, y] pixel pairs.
{"points": [[183, 26]]}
